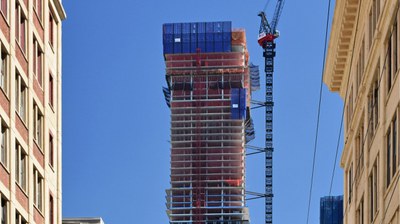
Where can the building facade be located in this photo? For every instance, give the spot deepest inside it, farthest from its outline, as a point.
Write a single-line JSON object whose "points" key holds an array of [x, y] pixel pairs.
{"points": [[331, 210], [208, 92], [362, 66], [30, 111], [82, 221]]}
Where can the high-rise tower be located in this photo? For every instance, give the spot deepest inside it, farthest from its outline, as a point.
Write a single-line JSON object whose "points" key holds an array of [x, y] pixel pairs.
{"points": [[208, 91]]}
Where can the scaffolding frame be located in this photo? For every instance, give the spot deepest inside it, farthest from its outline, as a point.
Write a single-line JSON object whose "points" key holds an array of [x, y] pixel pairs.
{"points": [[207, 146]]}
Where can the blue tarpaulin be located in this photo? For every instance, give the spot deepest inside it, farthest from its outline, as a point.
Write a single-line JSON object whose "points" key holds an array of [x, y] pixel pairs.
{"points": [[180, 38], [238, 103]]}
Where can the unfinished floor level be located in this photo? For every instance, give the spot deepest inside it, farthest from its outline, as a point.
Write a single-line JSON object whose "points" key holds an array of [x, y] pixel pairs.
{"points": [[209, 94]]}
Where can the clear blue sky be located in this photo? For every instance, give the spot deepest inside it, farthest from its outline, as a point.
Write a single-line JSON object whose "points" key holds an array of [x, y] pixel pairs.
{"points": [[116, 123]]}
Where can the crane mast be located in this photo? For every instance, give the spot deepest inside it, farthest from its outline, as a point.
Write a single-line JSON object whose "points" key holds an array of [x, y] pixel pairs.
{"points": [[266, 39]]}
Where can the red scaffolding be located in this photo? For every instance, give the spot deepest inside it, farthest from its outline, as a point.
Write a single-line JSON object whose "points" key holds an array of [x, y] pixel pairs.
{"points": [[207, 145]]}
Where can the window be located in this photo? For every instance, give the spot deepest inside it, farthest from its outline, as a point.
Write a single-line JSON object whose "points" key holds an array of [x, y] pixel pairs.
{"points": [[20, 31], [370, 30], [4, 7], [388, 158], [51, 150], [38, 189], [3, 69], [3, 144], [52, 26], [21, 162], [19, 219], [21, 96], [38, 61], [391, 63], [360, 212], [51, 90], [38, 7], [394, 218], [4, 211], [391, 150], [37, 125], [373, 191], [350, 182], [360, 148], [350, 107], [360, 65], [51, 215], [373, 19], [373, 106]]}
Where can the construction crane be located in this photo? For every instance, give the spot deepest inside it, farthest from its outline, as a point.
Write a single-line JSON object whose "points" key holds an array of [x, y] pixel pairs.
{"points": [[266, 39]]}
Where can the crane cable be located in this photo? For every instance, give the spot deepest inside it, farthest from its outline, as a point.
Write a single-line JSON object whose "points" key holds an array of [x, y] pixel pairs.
{"points": [[319, 111], [266, 5]]}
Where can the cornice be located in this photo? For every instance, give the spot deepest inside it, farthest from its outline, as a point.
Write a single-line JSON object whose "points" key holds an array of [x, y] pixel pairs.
{"points": [[340, 43]]}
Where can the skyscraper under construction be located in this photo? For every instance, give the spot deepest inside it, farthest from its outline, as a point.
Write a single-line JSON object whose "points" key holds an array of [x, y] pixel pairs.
{"points": [[209, 86]]}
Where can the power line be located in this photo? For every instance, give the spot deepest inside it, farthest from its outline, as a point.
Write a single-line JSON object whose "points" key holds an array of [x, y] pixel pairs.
{"points": [[319, 111]]}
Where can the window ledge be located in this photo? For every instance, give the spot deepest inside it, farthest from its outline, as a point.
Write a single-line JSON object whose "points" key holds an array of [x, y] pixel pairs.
{"points": [[374, 220], [360, 174], [5, 168], [5, 18], [52, 47], [39, 147], [38, 210], [38, 17], [51, 167], [23, 52], [22, 120], [391, 88], [392, 184], [373, 137], [23, 191], [5, 94], [52, 107], [37, 81]]}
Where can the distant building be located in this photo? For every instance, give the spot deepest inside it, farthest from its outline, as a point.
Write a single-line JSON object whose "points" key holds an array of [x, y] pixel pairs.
{"points": [[362, 66], [331, 210], [209, 91], [82, 221]]}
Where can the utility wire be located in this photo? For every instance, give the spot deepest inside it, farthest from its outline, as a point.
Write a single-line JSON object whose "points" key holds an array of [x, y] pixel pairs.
{"points": [[319, 111]]}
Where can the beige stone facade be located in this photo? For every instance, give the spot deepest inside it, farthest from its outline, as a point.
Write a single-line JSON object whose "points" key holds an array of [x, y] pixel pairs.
{"points": [[30, 111], [363, 63]]}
